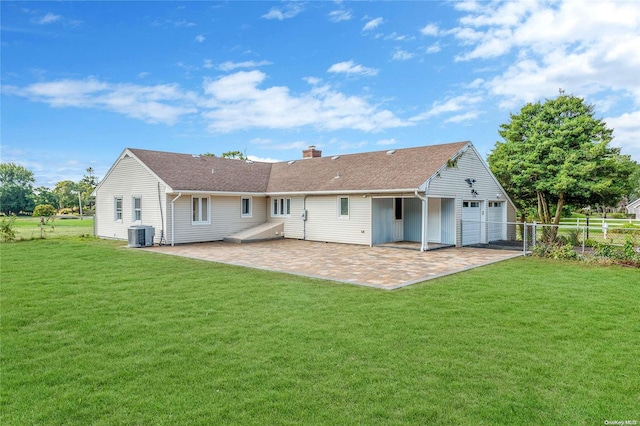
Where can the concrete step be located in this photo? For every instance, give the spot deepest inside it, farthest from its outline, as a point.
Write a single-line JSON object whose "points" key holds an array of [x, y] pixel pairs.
{"points": [[262, 232]]}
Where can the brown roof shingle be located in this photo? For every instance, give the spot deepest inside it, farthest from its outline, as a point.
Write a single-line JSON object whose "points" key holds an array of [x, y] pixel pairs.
{"points": [[185, 172], [406, 168]]}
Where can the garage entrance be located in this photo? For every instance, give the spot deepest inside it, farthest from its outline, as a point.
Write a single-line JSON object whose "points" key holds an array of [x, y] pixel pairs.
{"points": [[471, 218], [495, 217]]}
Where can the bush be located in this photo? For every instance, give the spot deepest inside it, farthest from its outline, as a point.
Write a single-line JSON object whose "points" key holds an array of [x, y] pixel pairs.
{"points": [[7, 232], [608, 251], [65, 210], [44, 210], [573, 237], [555, 251]]}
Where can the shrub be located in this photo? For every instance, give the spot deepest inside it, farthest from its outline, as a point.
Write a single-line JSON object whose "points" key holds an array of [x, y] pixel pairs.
{"points": [[608, 251], [573, 237], [44, 210], [65, 210], [7, 232], [629, 251], [555, 251]]}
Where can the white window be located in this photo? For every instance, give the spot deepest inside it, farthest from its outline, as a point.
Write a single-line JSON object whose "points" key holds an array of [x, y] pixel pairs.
{"points": [[200, 210], [137, 209], [281, 207], [117, 209], [245, 207], [343, 207]]}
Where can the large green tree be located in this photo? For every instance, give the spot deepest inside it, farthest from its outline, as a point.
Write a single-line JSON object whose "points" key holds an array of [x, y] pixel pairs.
{"points": [[67, 193], [16, 188], [557, 153]]}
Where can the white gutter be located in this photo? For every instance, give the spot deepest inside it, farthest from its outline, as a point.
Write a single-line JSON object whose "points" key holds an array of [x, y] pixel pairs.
{"points": [[425, 244], [343, 191], [173, 222]]}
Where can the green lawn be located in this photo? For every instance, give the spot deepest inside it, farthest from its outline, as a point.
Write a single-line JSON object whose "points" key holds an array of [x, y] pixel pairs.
{"points": [[96, 333], [28, 228]]}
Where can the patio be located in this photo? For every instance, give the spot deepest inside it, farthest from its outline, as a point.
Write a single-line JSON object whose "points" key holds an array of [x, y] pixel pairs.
{"points": [[379, 267]]}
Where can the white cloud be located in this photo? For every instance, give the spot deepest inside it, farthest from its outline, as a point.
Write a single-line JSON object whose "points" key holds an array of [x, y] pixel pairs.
{"points": [[434, 48], [430, 30], [288, 11], [155, 104], [386, 142], [349, 67], [587, 51], [626, 131], [467, 116], [451, 105], [230, 66], [232, 102], [237, 102], [207, 63], [49, 18], [144, 74], [200, 38], [339, 15], [314, 81], [402, 55], [264, 159], [372, 24]]}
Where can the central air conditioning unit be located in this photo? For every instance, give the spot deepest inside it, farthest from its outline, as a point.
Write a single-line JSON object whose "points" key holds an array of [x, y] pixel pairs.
{"points": [[141, 235]]}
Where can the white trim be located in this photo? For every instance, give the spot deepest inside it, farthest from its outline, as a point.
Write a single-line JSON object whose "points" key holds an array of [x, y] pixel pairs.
{"points": [[250, 213], [339, 199], [115, 208], [281, 208], [133, 209], [201, 211]]}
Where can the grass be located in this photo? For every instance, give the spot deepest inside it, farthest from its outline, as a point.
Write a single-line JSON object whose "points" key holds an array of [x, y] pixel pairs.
{"points": [[93, 332], [28, 228]]}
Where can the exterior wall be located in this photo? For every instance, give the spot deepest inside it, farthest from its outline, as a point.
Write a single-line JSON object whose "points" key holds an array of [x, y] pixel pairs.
{"points": [[293, 224], [323, 223], [225, 218], [128, 178], [451, 183]]}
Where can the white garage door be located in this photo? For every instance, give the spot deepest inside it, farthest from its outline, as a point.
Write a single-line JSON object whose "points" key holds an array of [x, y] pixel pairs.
{"points": [[494, 216], [470, 222]]}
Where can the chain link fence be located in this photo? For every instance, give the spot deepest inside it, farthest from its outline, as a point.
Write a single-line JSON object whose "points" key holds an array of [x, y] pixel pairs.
{"points": [[529, 237]]}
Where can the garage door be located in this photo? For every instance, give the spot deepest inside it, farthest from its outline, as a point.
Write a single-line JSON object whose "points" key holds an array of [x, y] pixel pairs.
{"points": [[494, 216], [470, 222]]}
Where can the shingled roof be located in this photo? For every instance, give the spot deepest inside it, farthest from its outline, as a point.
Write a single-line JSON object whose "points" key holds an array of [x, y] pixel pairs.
{"points": [[381, 170], [186, 172]]}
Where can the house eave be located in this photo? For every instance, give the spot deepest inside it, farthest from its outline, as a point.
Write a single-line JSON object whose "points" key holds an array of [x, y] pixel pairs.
{"points": [[343, 191]]}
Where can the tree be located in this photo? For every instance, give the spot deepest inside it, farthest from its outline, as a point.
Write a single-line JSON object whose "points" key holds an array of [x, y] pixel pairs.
{"points": [[234, 154], [557, 153], [44, 195], [66, 191], [87, 184], [16, 188]]}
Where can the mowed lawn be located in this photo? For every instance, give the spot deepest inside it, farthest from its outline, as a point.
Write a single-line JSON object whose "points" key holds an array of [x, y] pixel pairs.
{"points": [[28, 228], [93, 332]]}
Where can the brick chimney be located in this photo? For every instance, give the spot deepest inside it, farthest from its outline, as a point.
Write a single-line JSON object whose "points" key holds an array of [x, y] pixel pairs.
{"points": [[311, 152]]}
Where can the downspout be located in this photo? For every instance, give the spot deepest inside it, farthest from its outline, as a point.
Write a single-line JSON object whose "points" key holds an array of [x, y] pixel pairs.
{"points": [[304, 222], [173, 221]]}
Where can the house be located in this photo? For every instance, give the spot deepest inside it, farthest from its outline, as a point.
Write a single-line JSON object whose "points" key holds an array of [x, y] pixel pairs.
{"points": [[634, 208], [439, 194]]}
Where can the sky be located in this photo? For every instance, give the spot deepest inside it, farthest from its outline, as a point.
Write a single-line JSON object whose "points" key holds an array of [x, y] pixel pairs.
{"points": [[82, 81]]}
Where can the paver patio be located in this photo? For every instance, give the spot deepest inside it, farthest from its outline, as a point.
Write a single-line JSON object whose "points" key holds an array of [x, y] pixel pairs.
{"points": [[380, 267]]}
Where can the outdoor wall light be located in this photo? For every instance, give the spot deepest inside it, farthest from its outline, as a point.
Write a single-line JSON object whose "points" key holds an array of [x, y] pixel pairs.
{"points": [[470, 182], [474, 193]]}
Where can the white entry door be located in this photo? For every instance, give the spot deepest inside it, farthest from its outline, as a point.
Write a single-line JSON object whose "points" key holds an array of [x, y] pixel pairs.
{"points": [[471, 216]]}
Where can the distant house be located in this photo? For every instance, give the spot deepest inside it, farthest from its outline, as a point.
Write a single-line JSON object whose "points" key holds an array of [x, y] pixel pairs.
{"points": [[443, 194], [634, 208]]}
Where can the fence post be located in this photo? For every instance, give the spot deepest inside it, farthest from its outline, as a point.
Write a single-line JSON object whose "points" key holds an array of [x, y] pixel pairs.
{"points": [[524, 240], [534, 237]]}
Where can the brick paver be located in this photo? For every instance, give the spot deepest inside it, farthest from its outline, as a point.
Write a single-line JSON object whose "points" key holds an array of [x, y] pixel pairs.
{"points": [[381, 267]]}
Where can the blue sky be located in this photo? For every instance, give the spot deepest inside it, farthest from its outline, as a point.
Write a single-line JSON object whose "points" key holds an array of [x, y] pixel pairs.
{"points": [[83, 80]]}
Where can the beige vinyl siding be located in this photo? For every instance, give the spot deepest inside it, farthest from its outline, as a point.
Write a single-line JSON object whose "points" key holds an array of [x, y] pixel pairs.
{"points": [[293, 224], [127, 179], [225, 218], [323, 223], [451, 182]]}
